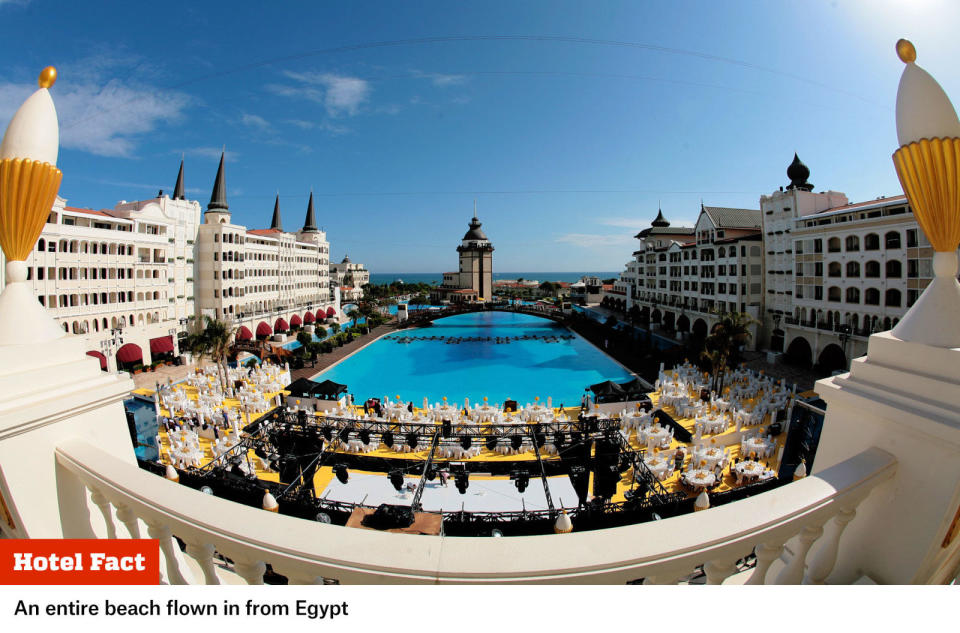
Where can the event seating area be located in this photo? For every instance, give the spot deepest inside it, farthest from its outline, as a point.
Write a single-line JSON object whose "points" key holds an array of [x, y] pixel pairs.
{"points": [[730, 445]]}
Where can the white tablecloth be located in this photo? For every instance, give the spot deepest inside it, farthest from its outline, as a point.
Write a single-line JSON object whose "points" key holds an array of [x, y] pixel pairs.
{"points": [[699, 478]]}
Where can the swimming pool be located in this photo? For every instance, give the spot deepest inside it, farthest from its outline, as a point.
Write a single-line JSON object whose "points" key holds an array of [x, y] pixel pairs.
{"points": [[535, 357]]}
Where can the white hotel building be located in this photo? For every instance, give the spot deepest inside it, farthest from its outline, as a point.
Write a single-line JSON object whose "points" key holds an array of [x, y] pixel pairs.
{"points": [[821, 274], [350, 278], [130, 279]]}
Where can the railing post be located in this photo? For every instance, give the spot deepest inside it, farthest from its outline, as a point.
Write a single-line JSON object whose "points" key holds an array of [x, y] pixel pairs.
{"points": [[825, 558], [97, 497], [251, 571], [766, 554], [129, 519], [162, 533], [792, 574], [203, 554], [719, 570]]}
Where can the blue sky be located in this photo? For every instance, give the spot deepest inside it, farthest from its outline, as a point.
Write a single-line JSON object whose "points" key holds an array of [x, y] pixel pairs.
{"points": [[569, 122]]}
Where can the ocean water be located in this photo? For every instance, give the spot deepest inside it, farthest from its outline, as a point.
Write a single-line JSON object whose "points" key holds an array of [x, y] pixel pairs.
{"points": [[429, 278], [522, 369]]}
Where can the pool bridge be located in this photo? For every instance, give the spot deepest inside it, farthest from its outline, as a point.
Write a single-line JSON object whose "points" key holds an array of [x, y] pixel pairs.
{"points": [[422, 317]]}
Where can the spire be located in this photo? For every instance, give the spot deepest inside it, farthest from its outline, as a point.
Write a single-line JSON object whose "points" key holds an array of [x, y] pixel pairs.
{"points": [[474, 208], [178, 192], [310, 223], [218, 199], [660, 221], [275, 223]]}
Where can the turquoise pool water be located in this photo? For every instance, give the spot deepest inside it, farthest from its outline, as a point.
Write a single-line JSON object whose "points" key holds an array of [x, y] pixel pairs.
{"points": [[542, 359]]}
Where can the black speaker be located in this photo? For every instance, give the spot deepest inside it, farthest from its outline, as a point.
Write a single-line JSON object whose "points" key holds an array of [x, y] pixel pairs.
{"points": [[387, 439], [396, 478], [446, 428], [365, 436], [516, 441], [340, 470], [491, 442], [465, 442]]}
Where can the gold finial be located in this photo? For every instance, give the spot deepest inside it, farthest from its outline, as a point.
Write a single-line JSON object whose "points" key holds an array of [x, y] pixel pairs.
{"points": [[906, 52], [48, 77]]}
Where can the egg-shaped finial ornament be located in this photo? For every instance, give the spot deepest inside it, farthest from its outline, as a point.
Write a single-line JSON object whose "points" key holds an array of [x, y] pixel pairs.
{"points": [[48, 77], [906, 52], [34, 131], [923, 109]]}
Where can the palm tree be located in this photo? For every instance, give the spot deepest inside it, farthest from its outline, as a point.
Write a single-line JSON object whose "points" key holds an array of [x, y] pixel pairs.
{"points": [[213, 341], [731, 332], [355, 315]]}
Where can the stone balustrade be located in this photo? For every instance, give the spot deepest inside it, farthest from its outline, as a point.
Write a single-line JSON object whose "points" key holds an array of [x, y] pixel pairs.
{"points": [[815, 510]]}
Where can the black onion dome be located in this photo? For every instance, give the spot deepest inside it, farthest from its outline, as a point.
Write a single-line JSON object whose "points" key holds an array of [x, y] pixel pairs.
{"points": [[475, 232], [798, 173], [660, 221]]}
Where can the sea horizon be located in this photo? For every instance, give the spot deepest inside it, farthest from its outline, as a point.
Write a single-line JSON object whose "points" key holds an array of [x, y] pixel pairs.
{"points": [[572, 276]]}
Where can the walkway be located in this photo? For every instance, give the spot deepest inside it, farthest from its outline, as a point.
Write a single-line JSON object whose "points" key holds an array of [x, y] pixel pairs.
{"points": [[339, 353]]}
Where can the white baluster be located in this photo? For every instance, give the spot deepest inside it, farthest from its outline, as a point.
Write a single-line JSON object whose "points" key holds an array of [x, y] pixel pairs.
{"points": [[825, 557], [719, 570], [129, 519], [162, 533], [203, 554], [792, 574], [251, 571], [97, 497], [766, 554], [670, 577]]}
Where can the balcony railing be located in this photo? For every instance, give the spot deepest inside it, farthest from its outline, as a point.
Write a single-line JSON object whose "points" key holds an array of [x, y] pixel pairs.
{"points": [[661, 552]]}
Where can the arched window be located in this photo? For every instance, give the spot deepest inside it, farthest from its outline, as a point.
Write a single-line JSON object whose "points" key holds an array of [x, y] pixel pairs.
{"points": [[872, 269], [41, 245], [853, 243], [853, 295], [853, 269], [722, 252], [892, 239], [871, 297], [834, 269], [833, 245], [894, 268], [833, 294], [893, 298], [871, 242]]}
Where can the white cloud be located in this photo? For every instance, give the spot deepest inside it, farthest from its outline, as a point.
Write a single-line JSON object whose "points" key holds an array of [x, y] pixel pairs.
{"points": [[339, 94], [100, 115], [440, 79], [255, 121], [593, 240], [210, 152]]}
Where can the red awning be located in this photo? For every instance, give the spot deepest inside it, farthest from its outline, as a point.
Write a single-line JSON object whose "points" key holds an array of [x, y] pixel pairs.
{"points": [[130, 353], [263, 329], [308, 318], [103, 359], [280, 325], [161, 345], [295, 320], [331, 313], [244, 333]]}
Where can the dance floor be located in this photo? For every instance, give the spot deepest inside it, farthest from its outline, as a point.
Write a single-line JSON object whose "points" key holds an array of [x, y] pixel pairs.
{"points": [[485, 494]]}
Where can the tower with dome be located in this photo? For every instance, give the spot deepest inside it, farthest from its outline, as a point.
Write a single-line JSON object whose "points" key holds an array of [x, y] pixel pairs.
{"points": [[474, 280]]}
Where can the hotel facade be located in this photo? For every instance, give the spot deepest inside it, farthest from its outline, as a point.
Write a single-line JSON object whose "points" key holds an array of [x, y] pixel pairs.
{"points": [[350, 278], [818, 273], [134, 278]]}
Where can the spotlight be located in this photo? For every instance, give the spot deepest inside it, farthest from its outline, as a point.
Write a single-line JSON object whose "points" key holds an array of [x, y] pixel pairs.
{"points": [[323, 517], [446, 428], [516, 441], [576, 437], [491, 443], [396, 478], [540, 439], [327, 432], [207, 490], [463, 482], [558, 439], [656, 517], [340, 470], [520, 480], [365, 436], [412, 440], [387, 439], [465, 442], [496, 533], [432, 473], [344, 434]]}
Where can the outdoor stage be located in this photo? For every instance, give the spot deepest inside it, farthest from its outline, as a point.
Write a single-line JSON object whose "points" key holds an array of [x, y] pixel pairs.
{"points": [[483, 494]]}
